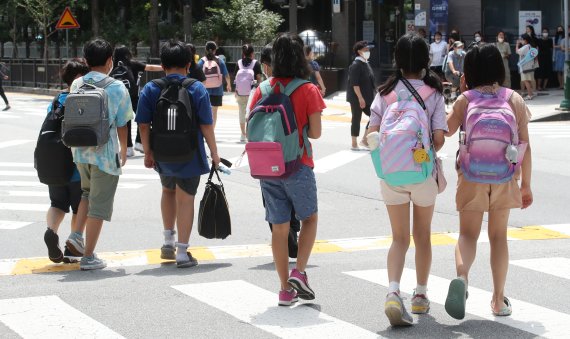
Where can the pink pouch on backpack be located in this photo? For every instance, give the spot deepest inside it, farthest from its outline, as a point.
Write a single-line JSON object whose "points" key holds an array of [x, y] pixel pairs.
{"points": [[265, 159]]}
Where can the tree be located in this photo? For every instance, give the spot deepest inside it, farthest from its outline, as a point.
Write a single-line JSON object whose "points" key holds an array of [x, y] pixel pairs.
{"points": [[95, 18], [244, 20], [42, 12], [153, 28]]}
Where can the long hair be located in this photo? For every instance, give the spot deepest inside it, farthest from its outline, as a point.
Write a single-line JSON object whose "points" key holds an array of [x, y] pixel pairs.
{"points": [[192, 49], [122, 54], [412, 56], [288, 58], [247, 51], [211, 48]]}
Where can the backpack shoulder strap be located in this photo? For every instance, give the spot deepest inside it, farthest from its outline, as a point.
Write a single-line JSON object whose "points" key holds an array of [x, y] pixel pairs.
{"points": [[188, 82], [105, 82], [162, 83], [470, 95], [425, 92], [505, 93], [240, 63], [265, 88], [293, 85]]}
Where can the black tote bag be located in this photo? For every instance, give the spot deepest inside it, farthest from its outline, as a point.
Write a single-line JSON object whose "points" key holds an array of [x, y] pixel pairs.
{"points": [[214, 216]]}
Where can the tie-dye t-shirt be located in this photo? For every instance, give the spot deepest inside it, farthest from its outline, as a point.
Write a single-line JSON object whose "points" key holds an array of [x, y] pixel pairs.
{"points": [[106, 157]]}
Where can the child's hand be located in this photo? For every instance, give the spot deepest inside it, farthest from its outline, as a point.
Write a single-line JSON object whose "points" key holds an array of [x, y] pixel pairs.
{"points": [[526, 197]]}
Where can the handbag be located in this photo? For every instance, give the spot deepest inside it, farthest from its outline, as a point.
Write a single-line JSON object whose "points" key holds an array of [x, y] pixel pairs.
{"points": [[214, 220]]}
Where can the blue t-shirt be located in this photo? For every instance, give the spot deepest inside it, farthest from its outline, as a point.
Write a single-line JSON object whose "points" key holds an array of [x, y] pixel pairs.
{"points": [[218, 91], [62, 96], [200, 104]]}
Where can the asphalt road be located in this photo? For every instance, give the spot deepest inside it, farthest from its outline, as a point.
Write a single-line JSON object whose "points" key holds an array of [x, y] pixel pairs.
{"points": [[232, 293]]}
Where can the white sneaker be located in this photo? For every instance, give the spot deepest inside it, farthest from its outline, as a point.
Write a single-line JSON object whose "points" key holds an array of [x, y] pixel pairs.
{"points": [[243, 139], [139, 147], [130, 152]]}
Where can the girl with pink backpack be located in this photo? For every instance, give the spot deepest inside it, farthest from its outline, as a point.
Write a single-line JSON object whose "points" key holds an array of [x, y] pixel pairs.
{"points": [[409, 113], [493, 140]]}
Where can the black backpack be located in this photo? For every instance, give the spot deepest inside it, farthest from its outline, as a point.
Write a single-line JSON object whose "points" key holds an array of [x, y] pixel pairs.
{"points": [[124, 74], [174, 128], [52, 159]]}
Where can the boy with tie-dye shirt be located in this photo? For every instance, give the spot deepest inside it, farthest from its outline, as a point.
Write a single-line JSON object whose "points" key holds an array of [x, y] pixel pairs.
{"points": [[100, 167]]}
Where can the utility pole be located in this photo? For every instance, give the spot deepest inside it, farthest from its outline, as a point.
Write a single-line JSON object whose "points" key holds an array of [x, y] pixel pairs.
{"points": [[293, 16], [565, 104]]}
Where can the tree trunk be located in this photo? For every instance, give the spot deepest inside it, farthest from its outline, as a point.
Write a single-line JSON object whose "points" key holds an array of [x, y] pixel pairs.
{"points": [[46, 43], [95, 24], [14, 38], [293, 16], [153, 28], [187, 21], [58, 46]]}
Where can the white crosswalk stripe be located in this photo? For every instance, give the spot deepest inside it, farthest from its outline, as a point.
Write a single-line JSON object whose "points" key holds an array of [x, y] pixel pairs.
{"points": [[550, 130]]}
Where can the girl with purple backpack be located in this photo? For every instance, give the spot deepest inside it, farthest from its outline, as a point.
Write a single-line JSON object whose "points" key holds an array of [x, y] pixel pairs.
{"points": [[493, 138], [412, 80]]}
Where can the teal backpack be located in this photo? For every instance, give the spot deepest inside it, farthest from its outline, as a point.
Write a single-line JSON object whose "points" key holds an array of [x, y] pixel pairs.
{"points": [[273, 148]]}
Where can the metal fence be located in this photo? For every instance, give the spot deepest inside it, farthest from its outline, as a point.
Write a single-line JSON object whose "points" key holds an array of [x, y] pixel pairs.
{"points": [[34, 72]]}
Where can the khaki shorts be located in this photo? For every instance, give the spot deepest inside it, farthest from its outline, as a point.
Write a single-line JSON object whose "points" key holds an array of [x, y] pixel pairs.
{"points": [[99, 188], [472, 196], [242, 103], [527, 76], [422, 195]]}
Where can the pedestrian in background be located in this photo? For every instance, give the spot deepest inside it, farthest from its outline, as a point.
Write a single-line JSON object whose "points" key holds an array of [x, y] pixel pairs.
{"points": [[505, 48], [194, 71], [484, 71], [437, 54], [131, 79], [360, 92], [247, 75], [412, 64], [454, 69], [299, 190], [315, 77], [4, 76], [559, 55], [215, 70], [545, 47], [527, 63], [64, 197]]}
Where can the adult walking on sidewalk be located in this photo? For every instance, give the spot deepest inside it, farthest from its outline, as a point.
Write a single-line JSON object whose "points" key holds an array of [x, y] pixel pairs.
{"points": [[360, 92], [4, 76]]}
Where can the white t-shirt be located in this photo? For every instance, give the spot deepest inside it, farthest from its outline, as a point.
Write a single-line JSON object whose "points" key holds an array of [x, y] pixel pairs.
{"points": [[437, 52]]}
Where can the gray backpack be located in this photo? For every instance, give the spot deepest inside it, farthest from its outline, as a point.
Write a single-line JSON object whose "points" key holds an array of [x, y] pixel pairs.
{"points": [[86, 115]]}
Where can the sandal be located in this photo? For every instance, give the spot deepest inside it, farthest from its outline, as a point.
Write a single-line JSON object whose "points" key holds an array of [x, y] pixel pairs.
{"points": [[528, 97], [456, 297], [505, 311]]}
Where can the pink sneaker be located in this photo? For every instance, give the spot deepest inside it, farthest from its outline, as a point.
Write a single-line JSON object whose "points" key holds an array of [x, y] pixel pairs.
{"points": [[287, 297], [300, 283]]}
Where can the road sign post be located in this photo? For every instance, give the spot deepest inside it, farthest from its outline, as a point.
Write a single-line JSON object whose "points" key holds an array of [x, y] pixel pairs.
{"points": [[67, 21]]}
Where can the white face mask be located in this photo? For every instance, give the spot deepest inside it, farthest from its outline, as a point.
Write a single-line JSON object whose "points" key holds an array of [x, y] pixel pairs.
{"points": [[366, 55], [545, 35], [438, 40], [459, 51], [478, 38], [111, 69], [500, 39]]}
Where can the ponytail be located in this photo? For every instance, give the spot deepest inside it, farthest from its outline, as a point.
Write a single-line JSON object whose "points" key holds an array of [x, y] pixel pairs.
{"points": [[211, 50], [247, 50], [433, 80], [390, 84]]}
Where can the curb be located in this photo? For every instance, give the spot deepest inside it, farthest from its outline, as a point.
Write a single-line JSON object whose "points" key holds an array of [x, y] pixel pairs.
{"points": [[38, 265]]}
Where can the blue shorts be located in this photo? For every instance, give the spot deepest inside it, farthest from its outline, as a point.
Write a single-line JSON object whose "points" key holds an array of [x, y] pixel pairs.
{"points": [[299, 191]]}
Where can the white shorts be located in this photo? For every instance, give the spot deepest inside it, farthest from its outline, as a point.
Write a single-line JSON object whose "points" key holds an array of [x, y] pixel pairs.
{"points": [[422, 195]]}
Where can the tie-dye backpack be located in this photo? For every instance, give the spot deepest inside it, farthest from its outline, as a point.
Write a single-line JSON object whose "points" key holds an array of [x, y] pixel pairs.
{"points": [[490, 151], [404, 155]]}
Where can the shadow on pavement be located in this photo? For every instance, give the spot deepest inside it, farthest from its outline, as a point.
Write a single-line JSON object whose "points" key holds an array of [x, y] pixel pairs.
{"points": [[166, 269]]}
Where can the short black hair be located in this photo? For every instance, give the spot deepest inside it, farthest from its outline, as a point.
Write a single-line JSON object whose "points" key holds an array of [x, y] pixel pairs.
{"points": [[192, 50], [288, 58], [174, 54], [359, 45], [484, 66], [97, 51], [265, 56], [122, 54], [72, 68], [437, 33]]}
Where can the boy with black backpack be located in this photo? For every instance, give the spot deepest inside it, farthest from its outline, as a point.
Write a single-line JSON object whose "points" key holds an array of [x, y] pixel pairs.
{"points": [[54, 164], [175, 116], [95, 117]]}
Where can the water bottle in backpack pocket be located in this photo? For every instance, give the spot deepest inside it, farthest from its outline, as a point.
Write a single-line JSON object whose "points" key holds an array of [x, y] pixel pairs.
{"points": [[86, 115], [404, 155], [490, 151], [174, 127], [273, 147]]}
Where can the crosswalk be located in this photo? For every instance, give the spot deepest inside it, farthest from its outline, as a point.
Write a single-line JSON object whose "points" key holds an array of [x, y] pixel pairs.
{"points": [[550, 130], [247, 301]]}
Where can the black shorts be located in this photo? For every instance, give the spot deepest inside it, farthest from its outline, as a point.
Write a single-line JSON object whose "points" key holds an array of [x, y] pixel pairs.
{"points": [[66, 196], [188, 185], [216, 100]]}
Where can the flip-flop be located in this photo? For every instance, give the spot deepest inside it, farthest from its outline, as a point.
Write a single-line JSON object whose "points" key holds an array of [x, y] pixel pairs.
{"points": [[456, 296], [505, 311]]}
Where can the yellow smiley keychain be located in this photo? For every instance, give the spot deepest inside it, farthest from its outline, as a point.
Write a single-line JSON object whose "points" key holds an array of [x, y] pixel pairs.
{"points": [[420, 155]]}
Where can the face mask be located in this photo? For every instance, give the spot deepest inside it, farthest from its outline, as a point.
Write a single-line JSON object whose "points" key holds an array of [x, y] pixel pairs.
{"points": [[545, 35], [478, 39], [458, 51], [500, 39], [111, 69], [366, 55], [438, 40]]}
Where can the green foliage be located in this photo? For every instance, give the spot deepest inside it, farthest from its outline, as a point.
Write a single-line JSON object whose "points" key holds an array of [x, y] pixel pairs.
{"points": [[244, 20]]}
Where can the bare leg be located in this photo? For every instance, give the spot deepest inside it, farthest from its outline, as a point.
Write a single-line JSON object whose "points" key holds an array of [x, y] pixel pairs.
{"points": [[422, 241], [78, 221], [54, 218], [400, 222], [499, 254], [215, 114], [168, 208], [307, 238], [279, 237], [93, 230], [466, 248]]}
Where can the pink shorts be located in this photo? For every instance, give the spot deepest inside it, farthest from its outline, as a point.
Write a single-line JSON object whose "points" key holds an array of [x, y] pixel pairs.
{"points": [[422, 195]]}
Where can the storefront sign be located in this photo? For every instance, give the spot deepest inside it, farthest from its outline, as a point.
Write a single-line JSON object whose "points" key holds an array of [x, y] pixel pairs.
{"points": [[421, 17], [438, 17], [336, 6], [532, 18], [368, 30]]}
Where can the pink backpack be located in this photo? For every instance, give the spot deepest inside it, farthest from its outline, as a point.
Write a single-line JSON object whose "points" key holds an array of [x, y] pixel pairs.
{"points": [[244, 78], [490, 151], [212, 72]]}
